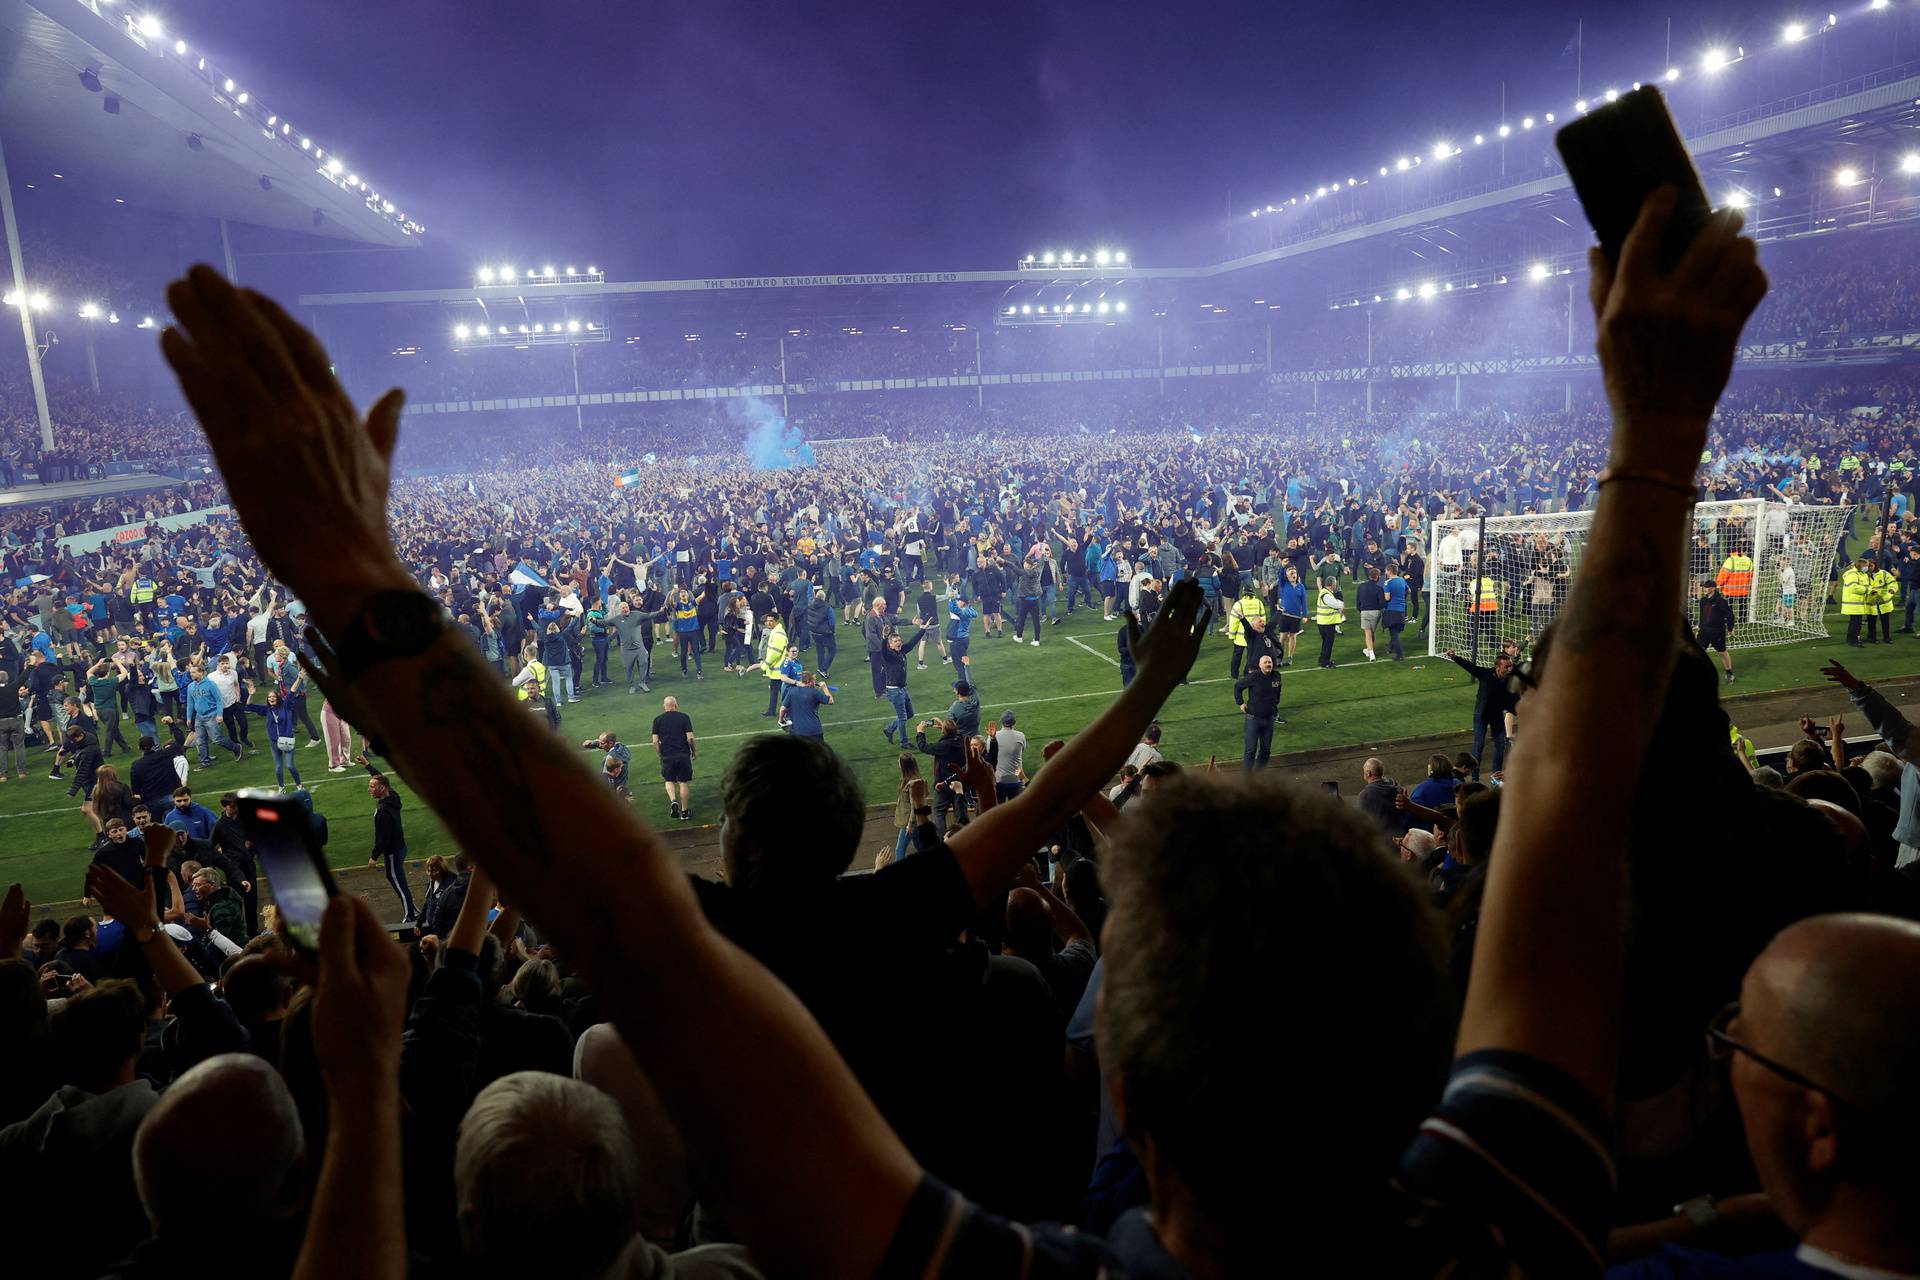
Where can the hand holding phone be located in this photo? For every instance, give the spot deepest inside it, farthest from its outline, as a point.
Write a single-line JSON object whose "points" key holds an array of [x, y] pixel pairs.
{"points": [[280, 831], [1619, 154]]}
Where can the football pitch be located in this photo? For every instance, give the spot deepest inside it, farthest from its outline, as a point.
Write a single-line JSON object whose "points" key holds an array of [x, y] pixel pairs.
{"points": [[1055, 690]]}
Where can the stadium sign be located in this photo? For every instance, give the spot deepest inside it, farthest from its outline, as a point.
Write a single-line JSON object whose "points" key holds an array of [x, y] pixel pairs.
{"points": [[884, 277]]}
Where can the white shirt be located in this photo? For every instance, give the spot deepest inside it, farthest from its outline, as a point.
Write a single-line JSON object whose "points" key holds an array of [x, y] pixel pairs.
{"points": [[1787, 579], [1450, 551], [229, 684]]}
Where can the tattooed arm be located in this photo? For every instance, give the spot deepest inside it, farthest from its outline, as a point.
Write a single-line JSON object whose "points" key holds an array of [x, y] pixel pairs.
{"points": [[1551, 921], [558, 842]]}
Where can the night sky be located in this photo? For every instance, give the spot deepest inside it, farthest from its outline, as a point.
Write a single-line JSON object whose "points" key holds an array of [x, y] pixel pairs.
{"points": [[719, 139]]}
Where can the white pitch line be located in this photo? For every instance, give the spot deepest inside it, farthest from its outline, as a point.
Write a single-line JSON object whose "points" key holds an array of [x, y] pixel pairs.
{"points": [[1075, 641]]}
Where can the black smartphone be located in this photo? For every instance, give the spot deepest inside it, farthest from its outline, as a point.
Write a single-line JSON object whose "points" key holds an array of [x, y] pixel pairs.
{"points": [[1618, 155], [281, 832], [1823, 732], [1331, 788]]}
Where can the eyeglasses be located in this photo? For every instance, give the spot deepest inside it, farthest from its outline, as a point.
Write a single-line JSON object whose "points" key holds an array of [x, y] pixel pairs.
{"points": [[1721, 1046]]}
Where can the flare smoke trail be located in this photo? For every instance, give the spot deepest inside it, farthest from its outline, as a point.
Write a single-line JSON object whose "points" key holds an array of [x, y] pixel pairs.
{"points": [[773, 443]]}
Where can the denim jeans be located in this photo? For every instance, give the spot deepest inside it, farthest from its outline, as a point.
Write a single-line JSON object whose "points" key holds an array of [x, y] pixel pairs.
{"points": [[1259, 742], [902, 709], [1047, 595], [283, 765], [824, 649], [906, 843], [207, 728], [562, 676]]}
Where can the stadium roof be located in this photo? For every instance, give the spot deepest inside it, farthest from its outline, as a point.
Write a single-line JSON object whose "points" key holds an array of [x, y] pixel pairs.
{"points": [[121, 107]]}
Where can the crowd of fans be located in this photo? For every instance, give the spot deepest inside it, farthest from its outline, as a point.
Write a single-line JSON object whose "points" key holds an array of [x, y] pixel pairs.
{"points": [[956, 1043], [1664, 1019]]}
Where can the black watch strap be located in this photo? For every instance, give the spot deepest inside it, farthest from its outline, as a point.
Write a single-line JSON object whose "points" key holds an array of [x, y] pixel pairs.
{"points": [[392, 624]]}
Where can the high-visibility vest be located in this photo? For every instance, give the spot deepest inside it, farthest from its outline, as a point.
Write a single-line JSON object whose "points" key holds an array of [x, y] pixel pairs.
{"points": [[1736, 576], [1248, 607], [538, 683], [143, 591], [1330, 611], [1856, 593], [1742, 746], [1885, 587], [776, 644], [1488, 597]]}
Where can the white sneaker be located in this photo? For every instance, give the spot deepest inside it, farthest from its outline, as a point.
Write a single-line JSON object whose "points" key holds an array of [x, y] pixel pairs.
{"points": [[1034, 643], [1370, 657], [339, 768]]}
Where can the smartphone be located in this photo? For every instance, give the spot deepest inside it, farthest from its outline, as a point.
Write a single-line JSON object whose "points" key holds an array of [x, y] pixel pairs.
{"points": [[1331, 788], [1823, 731], [1617, 155], [281, 833]]}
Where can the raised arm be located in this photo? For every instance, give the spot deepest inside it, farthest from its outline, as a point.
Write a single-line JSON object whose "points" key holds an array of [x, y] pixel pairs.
{"points": [[519, 798], [992, 848], [1551, 923]]}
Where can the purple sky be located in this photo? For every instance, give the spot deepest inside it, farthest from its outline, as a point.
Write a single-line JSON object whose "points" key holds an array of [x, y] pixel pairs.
{"points": [[717, 138]]}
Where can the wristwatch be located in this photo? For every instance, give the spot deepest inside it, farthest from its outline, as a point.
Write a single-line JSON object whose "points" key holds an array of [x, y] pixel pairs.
{"points": [[392, 624], [1702, 1211]]}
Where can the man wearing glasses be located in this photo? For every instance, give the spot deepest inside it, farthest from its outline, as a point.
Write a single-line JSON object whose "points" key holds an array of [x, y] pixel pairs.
{"points": [[1821, 1051]]}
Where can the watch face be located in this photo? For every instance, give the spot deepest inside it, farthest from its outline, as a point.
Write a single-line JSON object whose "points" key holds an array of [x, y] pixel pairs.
{"points": [[403, 621]]}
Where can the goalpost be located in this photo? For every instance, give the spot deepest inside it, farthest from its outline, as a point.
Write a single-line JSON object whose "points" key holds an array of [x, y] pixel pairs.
{"points": [[1500, 578]]}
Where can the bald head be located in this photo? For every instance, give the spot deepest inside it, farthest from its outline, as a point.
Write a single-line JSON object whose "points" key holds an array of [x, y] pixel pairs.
{"points": [[231, 1115], [1837, 997]]}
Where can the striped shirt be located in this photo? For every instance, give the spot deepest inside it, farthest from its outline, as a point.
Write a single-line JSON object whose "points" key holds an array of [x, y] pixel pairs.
{"points": [[1510, 1174]]}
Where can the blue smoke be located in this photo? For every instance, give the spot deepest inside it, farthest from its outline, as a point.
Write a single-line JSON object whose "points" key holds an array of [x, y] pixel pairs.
{"points": [[773, 443]]}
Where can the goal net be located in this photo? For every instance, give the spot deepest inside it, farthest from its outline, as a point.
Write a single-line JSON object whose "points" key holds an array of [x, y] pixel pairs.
{"points": [[1773, 561]]}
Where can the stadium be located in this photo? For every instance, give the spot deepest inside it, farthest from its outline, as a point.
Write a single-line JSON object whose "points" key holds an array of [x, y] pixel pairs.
{"points": [[866, 516]]}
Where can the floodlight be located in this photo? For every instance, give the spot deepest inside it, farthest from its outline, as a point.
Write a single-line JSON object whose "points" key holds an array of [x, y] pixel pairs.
{"points": [[1383, 171], [1026, 309], [306, 144], [242, 99], [1506, 130], [150, 27], [39, 302], [1910, 162], [1103, 308], [1714, 60], [89, 80], [11, 298], [1427, 290], [1479, 139], [146, 322], [573, 326], [1119, 306], [1086, 308], [1402, 164], [486, 275], [593, 271], [334, 165], [572, 272], [506, 275], [1083, 257], [1538, 271], [1047, 258], [1673, 73], [1880, 4], [523, 328], [461, 331], [89, 311], [1847, 176], [1056, 308], [1402, 294], [540, 328], [1441, 150], [1376, 298], [1322, 191], [1581, 106], [481, 330], [548, 272], [1549, 117], [1102, 257], [1793, 33], [1012, 310], [113, 317], [1738, 199], [180, 47], [589, 326]]}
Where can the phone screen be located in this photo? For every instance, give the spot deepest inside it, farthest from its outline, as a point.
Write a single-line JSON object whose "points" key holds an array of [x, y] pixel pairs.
{"points": [[282, 837]]}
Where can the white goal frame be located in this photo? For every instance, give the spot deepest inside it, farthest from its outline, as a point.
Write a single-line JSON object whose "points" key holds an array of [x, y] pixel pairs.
{"points": [[1777, 536]]}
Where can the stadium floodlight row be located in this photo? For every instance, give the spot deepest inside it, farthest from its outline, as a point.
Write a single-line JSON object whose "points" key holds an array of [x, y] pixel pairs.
{"points": [[1049, 260], [150, 33], [1712, 62], [545, 276]]}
